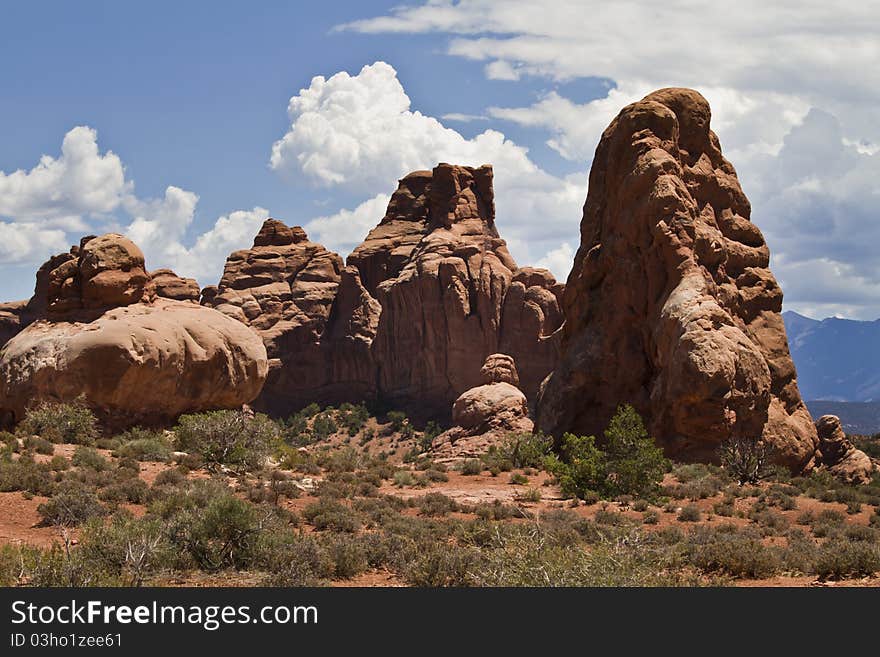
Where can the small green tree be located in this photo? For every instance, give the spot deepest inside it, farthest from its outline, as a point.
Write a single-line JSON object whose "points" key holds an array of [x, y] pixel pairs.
{"points": [[60, 422], [630, 463], [228, 437]]}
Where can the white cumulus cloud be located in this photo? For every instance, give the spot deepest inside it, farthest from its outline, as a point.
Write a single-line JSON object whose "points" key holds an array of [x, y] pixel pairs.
{"points": [[359, 132]]}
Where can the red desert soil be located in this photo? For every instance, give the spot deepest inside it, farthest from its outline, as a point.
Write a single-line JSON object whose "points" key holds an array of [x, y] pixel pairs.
{"points": [[19, 518]]}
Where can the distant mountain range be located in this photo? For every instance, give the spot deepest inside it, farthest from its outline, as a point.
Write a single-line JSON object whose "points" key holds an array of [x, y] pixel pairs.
{"points": [[838, 366]]}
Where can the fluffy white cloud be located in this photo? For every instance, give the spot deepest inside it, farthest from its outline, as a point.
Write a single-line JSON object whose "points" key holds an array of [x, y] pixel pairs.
{"points": [[558, 261], [160, 227], [50, 206], [27, 243], [343, 231], [60, 191], [160, 224], [204, 261], [764, 67], [359, 132]]}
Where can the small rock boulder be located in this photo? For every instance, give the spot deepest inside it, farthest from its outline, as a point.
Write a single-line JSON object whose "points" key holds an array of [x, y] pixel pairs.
{"points": [[171, 286], [839, 455], [484, 415]]}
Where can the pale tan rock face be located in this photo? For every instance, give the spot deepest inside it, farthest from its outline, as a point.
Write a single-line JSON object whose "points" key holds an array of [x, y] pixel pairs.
{"points": [[839, 455], [138, 364], [670, 305], [97, 329]]}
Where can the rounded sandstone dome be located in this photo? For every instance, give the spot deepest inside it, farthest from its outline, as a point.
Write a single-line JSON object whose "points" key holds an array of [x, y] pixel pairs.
{"points": [[137, 364]]}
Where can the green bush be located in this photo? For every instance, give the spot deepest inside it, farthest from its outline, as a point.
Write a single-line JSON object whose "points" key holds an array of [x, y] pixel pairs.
{"points": [[689, 513], [39, 445], [471, 467], [328, 514], [841, 558], [127, 548], [61, 423], [221, 534], [71, 505], [323, 426], [630, 463], [233, 438], [731, 552], [144, 445], [26, 475], [89, 457], [745, 459]]}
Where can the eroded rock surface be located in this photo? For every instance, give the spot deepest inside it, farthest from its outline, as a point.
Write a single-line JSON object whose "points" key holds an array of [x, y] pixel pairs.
{"points": [[485, 414], [431, 291], [671, 305], [839, 455], [99, 330]]}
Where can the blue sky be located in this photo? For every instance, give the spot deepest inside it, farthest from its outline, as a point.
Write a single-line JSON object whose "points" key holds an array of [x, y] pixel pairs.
{"points": [[190, 97]]}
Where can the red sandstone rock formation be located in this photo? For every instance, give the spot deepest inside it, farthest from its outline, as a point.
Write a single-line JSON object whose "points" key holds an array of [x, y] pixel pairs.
{"points": [[98, 330], [839, 455], [670, 305], [431, 291]]}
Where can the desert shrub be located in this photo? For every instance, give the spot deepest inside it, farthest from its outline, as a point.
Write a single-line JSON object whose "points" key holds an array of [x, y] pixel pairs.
{"points": [[354, 417], [26, 475], [70, 506], [397, 420], [519, 479], [170, 477], [523, 556], [39, 445], [840, 558], [271, 487], [436, 504], [853, 507], [323, 426], [404, 478], [432, 430], [769, 520], [348, 554], [650, 517], [726, 507], [61, 423], [746, 459], [731, 552], [519, 450], [689, 513], [640, 505], [223, 533], [606, 516], [130, 549], [295, 560], [630, 463], [59, 463], [439, 565], [328, 514], [228, 437], [471, 467], [89, 457], [132, 490], [827, 523], [528, 495], [144, 445], [497, 510], [436, 475], [347, 459]]}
